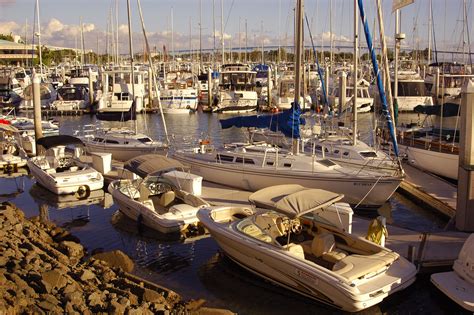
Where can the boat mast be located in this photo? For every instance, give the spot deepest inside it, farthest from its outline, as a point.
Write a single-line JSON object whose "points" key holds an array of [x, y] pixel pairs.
{"points": [[130, 45], [200, 36], [82, 41], [39, 37], [222, 31], [397, 49], [298, 57], [429, 30], [172, 35], [214, 30], [355, 76]]}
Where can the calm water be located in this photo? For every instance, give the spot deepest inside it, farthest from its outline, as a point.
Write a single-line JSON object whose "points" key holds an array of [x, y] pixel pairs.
{"points": [[196, 268]]}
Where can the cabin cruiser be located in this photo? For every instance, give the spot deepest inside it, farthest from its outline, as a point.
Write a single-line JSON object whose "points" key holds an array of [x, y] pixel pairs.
{"points": [[47, 95], [12, 155], [284, 93], [237, 90], [284, 238], [256, 166], [364, 104], [59, 169], [458, 284], [123, 143], [71, 97], [10, 92], [164, 197], [180, 93]]}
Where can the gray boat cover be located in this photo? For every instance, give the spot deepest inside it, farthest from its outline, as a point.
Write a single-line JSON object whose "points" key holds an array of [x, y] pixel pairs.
{"points": [[293, 200], [149, 164]]}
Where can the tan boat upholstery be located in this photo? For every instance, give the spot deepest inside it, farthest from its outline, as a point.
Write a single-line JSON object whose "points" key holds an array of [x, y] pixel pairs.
{"points": [[295, 250], [144, 192], [166, 198], [324, 246], [359, 266], [194, 200], [271, 223], [253, 231]]}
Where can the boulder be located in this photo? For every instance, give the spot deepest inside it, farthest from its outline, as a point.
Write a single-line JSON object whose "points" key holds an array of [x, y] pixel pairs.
{"points": [[55, 278], [72, 249], [116, 258]]}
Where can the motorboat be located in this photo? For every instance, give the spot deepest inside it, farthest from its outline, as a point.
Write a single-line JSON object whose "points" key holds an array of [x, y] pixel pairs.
{"points": [[255, 166], [59, 169], [164, 197], [237, 90], [283, 238], [12, 155], [47, 95], [365, 101], [70, 97], [180, 93], [123, 143], [458, 284]]}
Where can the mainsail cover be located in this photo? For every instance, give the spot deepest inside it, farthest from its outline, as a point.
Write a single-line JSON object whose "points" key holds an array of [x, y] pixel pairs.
{"points": [[288, 121]]}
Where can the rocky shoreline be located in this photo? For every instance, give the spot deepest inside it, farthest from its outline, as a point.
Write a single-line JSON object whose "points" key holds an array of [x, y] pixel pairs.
{"points": [[44, 269]]}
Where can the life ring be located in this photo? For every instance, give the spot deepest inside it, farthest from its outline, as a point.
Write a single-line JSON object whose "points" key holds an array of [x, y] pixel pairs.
{"points": [[83, 192]]}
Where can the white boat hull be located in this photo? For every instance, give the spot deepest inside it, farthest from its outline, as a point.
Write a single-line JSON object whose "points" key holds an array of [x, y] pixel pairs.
{"points": [[255, 178], [440, 163], [124, 152]]}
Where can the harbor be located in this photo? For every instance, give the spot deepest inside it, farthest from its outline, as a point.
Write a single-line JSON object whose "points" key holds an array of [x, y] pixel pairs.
{"points": [[246, 179]]}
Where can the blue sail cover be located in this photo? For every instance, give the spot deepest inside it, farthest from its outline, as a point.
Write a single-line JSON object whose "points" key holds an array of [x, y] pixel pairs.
{"points": [[288, 122]]}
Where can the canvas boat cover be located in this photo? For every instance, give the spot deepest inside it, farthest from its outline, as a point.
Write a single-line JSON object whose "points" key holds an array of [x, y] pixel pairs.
{"points": [[151, 163], [293, 200], [53, 141]]}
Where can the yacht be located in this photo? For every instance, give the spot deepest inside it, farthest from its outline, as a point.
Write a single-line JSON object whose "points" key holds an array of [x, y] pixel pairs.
{"points": [[12, 155], [282, 237], [411, 90], [164, 197], [256, 166], [10, 92], [364, 104], [284, 93], [59, 169], [458, 284], [71, 97], [48, 94], [180, 93], [123, 143], [237, 89]]}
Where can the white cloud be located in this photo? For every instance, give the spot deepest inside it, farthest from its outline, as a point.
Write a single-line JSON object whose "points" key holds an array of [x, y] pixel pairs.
{"points": [[9, 27]]}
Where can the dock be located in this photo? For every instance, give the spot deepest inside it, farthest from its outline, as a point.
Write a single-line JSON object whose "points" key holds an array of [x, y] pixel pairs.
{"points": [[431, 190], [430, 250], [58, 112]]}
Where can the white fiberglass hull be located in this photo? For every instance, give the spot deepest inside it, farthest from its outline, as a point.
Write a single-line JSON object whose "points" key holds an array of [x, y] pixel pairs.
{"points": [[440, 163], [408, 103], [68, 182], [316, 282], [369, 192]]}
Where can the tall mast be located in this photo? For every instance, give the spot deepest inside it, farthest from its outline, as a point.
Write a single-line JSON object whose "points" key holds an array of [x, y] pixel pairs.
{"points": [[214, 28], [240, 46], [331, 42], [130, 45], [355, 76], [279, 35], [172, 33], [82, 42], [246, 43], [429, 30], [200, 35], [117, 32], [298, 50], [222, 31], [261, 32], [39, 37]]}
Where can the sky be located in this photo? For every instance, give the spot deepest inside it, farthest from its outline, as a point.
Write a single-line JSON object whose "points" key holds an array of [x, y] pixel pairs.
{"points": [[268, 21]]}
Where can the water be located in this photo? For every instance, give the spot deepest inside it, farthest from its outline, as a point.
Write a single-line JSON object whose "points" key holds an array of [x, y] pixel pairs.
{"points": [[196, 268]]}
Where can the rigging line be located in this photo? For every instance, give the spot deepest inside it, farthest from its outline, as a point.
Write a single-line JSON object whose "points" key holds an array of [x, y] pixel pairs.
{"points": [[228, 15], [434, 37], [468, 37]]}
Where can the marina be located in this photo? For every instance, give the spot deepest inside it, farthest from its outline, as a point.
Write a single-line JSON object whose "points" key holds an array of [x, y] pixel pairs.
{"points": [[205, 177]]}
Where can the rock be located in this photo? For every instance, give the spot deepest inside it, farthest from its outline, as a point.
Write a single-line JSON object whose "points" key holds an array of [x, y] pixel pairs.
{"points": [[153, 296], [75, 298], [195, 304], [116, 258], [49, 307], [87, 275], [55, 278], [95, 299], [116, 308], [72, 249]]}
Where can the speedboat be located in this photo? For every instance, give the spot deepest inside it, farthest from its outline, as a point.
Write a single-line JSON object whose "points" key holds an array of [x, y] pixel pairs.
{"points": [[163, 198], [60, 170], [283, 238], [255, 166], [458, 285]]}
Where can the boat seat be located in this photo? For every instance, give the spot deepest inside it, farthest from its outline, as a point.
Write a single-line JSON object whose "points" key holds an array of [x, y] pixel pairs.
{"points": [[324, 246], [358, 266], [50, 171], [149, 204], [167, 198], [144, 192], [253, 231], [295, 250]]}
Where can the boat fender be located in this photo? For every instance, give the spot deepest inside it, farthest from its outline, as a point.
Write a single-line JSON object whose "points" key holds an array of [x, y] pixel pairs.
{"points": [[83, 192]]}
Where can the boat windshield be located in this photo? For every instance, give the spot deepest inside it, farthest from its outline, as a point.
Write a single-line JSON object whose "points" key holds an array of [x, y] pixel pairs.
{"points": [[415, 88], [145, 140]]}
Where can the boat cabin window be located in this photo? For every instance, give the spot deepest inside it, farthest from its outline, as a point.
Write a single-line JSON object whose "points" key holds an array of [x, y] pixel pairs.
{"points": [[406, 88], [287, 164], [145, 140], [368, 154], [111, 141], [224, 158], [346, 153], [270, 163], [327, 162], [244, 160], [97, 139], [336, 151]]}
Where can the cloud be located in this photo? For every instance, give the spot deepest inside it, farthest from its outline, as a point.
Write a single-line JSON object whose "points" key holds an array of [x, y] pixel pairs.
{"points": [[9, 27]]}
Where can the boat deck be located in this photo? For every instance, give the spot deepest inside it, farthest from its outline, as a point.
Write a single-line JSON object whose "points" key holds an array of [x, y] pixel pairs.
{"points": [[429, 250]]}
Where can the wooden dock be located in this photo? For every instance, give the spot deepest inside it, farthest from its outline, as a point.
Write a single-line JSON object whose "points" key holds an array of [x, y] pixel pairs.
{"points": [[55, 112], [431, 190], [431, 250]]}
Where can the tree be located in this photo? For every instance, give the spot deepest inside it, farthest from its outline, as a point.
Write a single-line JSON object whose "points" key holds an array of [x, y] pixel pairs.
{"points": [[7, 37]]}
